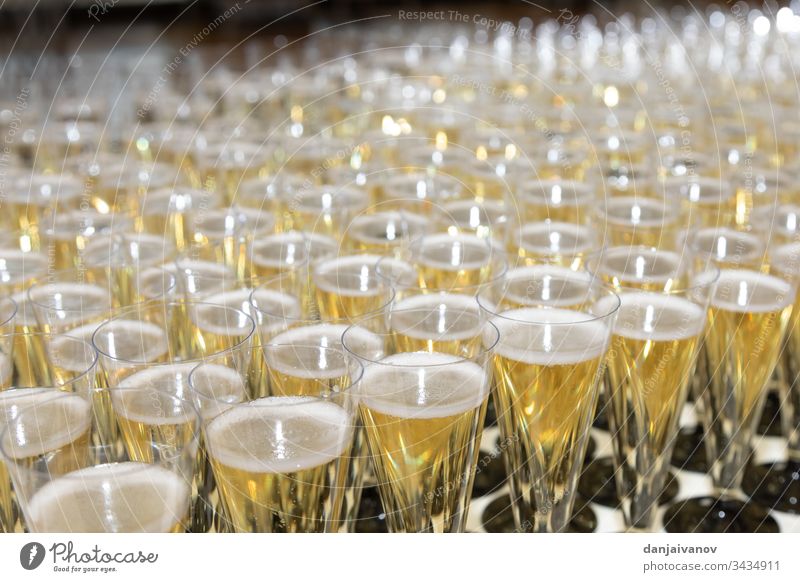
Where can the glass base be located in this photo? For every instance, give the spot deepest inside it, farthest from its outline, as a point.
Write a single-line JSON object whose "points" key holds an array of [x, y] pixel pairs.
{"points": [[715, 515], [689, 453], [498, 517], [775, 485], [597, 484], [770, 422]]}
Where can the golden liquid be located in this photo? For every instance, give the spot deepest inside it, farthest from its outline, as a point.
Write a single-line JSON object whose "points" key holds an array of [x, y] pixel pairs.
{"points": [[545, 393], [645, 222], [64, 441], [383, 232], [215, 330], [424, 440], [569, 203], [447, 324], [560, 244], [445, 262], [545, 285], [293, 369], [344, 305], [348, 287], [270, 256], [30, 359], [290, 376], [144, 418], [284, 477], [650, 365], [743, 343], [646, 270]]}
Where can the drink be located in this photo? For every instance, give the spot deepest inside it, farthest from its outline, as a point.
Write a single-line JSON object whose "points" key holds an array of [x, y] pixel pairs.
{"points": [[548, 285], [423, 416], [278, 463], [438, 322], [651, 363], [641, 221], [139, 497], [349, 286], [641, 268], [60, 427], [560, 243], [546, 366], [445, 262]]}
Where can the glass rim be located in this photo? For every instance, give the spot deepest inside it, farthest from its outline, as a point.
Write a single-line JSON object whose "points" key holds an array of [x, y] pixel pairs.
{"points": [[669, 217], [498, 257], [52, 279], [391, 292], [119, 315], [262, 349], [494, 312], [709, 269], [484, 350], [61, 394], [65, 336], [9, 300]]}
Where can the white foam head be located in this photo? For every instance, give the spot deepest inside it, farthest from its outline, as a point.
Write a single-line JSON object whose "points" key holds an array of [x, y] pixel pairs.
{"points": [[461, 252], [236, 299], [18, 266], [350, 276], [386, 227], [225, 322], [745, 291], [456, 317], [727, 244], [280, 434], [550, 285], [72, 302], [785, 259], [550, 337], [643, 266], [640, 212], [66, 353], [117, 497], [655, 316], [278, 250], [126, 340], [170, 378], [558, 193], [215, 388], [16, 399], [286, 350], [420, 385], [56, 421], [153, 405], [548, 238], [276, 303]]}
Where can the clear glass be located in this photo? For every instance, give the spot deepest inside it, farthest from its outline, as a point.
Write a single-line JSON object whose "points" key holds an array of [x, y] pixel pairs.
{"points": [[281, 435], [657, 337], [63, 483], [423, 413], [547, 366]]}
